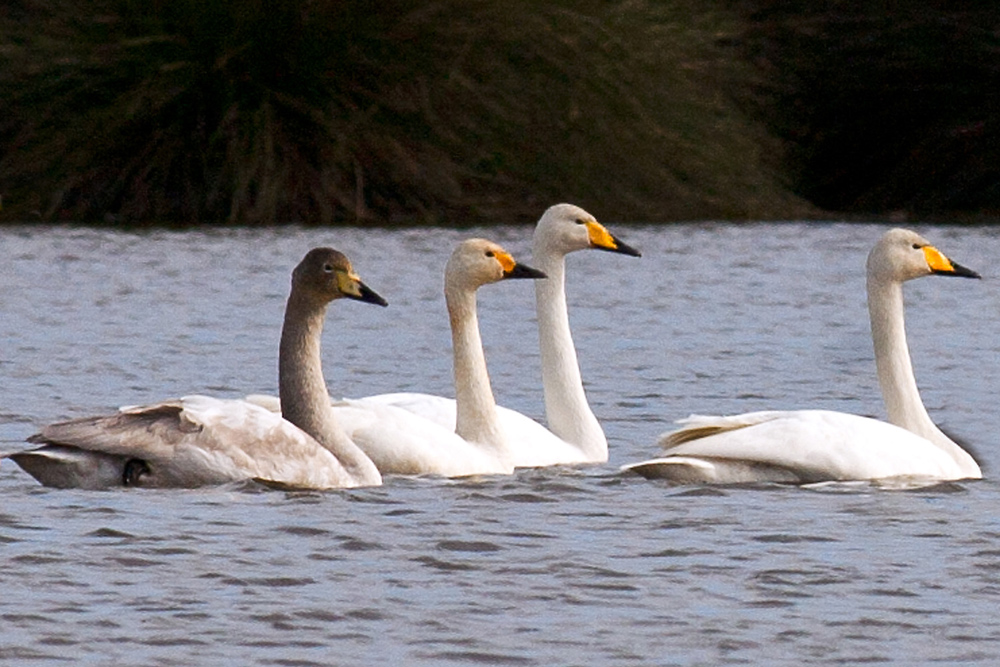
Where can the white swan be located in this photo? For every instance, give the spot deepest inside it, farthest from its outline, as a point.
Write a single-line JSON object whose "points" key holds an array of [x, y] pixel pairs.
{"points": [[562, 229], [819, 445], [199, 440], [393, 430]]}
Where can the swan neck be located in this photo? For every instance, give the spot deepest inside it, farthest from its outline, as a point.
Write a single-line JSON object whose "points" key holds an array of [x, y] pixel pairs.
{"points": [[566, 408], [895, 372], [892, 359], [305, 401], [476, 419]]}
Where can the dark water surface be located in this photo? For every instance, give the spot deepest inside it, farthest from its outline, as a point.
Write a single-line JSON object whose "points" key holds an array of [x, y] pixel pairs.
{"points": [[549, 567]]}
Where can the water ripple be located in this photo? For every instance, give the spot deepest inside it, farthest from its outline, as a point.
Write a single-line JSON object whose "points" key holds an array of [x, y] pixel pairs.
{"points": [[563, 566]]}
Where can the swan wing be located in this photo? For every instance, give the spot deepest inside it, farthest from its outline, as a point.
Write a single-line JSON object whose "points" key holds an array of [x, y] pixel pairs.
{"points": [[405, 442], [696, 427], [70, 467], [800, 446], [437, 409], [529, 443], [266, 401], [187, 442]]}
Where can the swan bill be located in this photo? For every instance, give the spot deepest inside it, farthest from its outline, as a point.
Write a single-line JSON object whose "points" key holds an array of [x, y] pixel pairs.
{"points": [[352, 287], [523, 271], [368, 295], [942, 266], [602, 239]]}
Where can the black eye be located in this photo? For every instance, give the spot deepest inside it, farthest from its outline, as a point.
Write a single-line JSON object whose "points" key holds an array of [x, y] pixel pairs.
{"points": [[489, 253], [328, 268], [917, 246], [581, 221]]}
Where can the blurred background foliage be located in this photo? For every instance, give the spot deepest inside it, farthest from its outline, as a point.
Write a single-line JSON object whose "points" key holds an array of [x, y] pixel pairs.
{"points": [[885, 106], [455, 112]]}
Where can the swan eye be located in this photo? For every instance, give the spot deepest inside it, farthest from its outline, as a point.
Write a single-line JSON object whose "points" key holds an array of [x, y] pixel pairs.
{"points": [[489, 253], [581, 221], [917, 246], [328, 268]]}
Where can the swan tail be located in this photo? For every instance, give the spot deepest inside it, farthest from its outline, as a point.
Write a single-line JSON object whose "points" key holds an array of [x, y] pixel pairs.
{"points": [[105, 451], [69, 467], [693, 470]]}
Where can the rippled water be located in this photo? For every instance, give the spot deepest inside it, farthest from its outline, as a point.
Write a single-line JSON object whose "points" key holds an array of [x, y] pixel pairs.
{"points": [[560, 566]]}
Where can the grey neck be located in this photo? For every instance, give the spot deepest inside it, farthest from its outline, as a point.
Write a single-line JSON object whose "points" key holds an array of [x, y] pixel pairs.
{"points": [[305, 400]]}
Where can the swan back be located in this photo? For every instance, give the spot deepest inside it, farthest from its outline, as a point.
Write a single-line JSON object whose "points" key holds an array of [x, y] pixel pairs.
{"points": [[186, 442], [798, 446]]}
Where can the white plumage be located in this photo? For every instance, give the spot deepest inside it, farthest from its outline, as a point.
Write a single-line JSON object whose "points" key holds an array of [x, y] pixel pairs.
{"points": [[411, 433], [816, 445], [574, 434]]}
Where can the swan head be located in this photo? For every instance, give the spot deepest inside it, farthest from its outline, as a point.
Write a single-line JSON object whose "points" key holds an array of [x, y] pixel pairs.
{"points": [[325, 274], [565, 228], [902, 254], [477, 262]]}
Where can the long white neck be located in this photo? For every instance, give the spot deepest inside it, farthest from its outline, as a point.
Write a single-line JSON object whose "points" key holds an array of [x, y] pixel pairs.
{"points": [[305, 401], [895, 371], [477, 419], [568, 414]]}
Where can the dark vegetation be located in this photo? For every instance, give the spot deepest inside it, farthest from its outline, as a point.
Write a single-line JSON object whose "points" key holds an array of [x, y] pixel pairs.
{"points": [[885, 106], [318, 111]]}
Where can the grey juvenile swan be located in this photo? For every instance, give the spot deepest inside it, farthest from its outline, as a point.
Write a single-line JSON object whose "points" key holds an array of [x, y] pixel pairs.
{"points": [[198, 440]]}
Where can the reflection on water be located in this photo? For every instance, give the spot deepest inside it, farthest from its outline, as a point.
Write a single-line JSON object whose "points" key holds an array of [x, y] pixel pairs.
{"points": [[562, 566]]}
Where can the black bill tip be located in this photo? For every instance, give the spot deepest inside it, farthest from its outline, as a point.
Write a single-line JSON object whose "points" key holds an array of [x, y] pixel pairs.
{"points": [[623, 248], [959, 271], [524, 271], [368, 295]]}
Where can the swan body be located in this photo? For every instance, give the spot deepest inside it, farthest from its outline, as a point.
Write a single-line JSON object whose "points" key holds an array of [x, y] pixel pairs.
{"points": [[187, 442], [402, 442], [574, 434], [521, 432], [419, 434], [199, 440], [805, 446], [437, 409], [795, 446]]}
